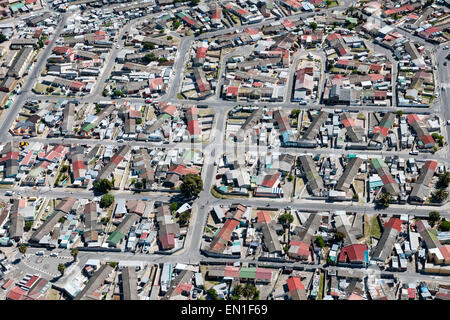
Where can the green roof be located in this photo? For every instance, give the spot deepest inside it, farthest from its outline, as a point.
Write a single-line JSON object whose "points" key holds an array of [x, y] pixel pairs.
{"points": [[16, 6], [247, 273], [188, 154], [88, 127], [378, 163], [165, 116], [115, 237]]}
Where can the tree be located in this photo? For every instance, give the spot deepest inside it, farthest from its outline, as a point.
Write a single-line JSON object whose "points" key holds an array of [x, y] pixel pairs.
{"points": [[28, 225], [61, 268], [439, 196], [290, 177], [113, 264], [444, 180], [238, 290], [173, 206], [118, 93], [400, 113], [176, 24], [192, 185], [286, 219], [434, 216], [149, 46], [169, 38], [2, 38], [74, 253], [105, 93], [320, 241], [295, 113], [138, 185], [107, 200], [23, 249], [149, 58], [444, 226], [103, 186], [249, 291], [385, 199], [313, 25], [195, 2], [139, 121], [339, 236], [184, 218], [213, 294]]}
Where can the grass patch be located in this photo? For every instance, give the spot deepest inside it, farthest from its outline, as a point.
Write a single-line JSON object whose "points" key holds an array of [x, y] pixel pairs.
{"points": [[216, 194], [180, 96], [321, 284], [375, 228]]}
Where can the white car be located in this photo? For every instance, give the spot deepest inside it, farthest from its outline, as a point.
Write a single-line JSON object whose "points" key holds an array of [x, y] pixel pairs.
{"points": [[448, 122], [39, 253], [118, 47], [54, 254]]}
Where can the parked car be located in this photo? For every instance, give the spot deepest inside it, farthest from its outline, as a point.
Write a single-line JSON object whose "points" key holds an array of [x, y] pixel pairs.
{"points": [[39, 253]]}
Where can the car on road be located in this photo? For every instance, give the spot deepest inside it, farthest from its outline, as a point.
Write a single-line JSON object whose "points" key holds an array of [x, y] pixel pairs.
{"points": [[118, 46], [288, 208], [148, 101], [448, 122], [445, 48], [39, 253], [145, 199], [54, 254], [9, 193], [414, 153]]}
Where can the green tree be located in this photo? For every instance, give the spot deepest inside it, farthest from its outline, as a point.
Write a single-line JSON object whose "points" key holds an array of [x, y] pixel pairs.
{"points": [[295, 113], [213, 294], [103, 185], [169, 38], [139, 185], [444, 180], [184, 218], [400, 113], [385, 199], [113, 264], [176, 24], [28, 225], [313, 25], [139, 121], [105, 93], [434, 216], [286, 219], [2, 38], [444, 226], [290, 177], [173, 206], [107, 200], [61, 268], [320, 242], [149, 46], [118, 93], [23, 249], [74, 253], [439, 196], [192, 185], [339, 236], [249, 291], [149, 58]]}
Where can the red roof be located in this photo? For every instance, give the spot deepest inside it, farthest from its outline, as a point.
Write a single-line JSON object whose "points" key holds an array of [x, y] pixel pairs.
{"points": [[15, 294], [169, 109], [167, 241], [445, 250], [271, 181], [201, 52], [134, 114], [181, 170], [394, 223], [432, 165], [263, 273], [303, 247], [232, 90], [231, 272], [295, 283], [263, 216], [411, 293], [193, 128], [353, 253]]}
